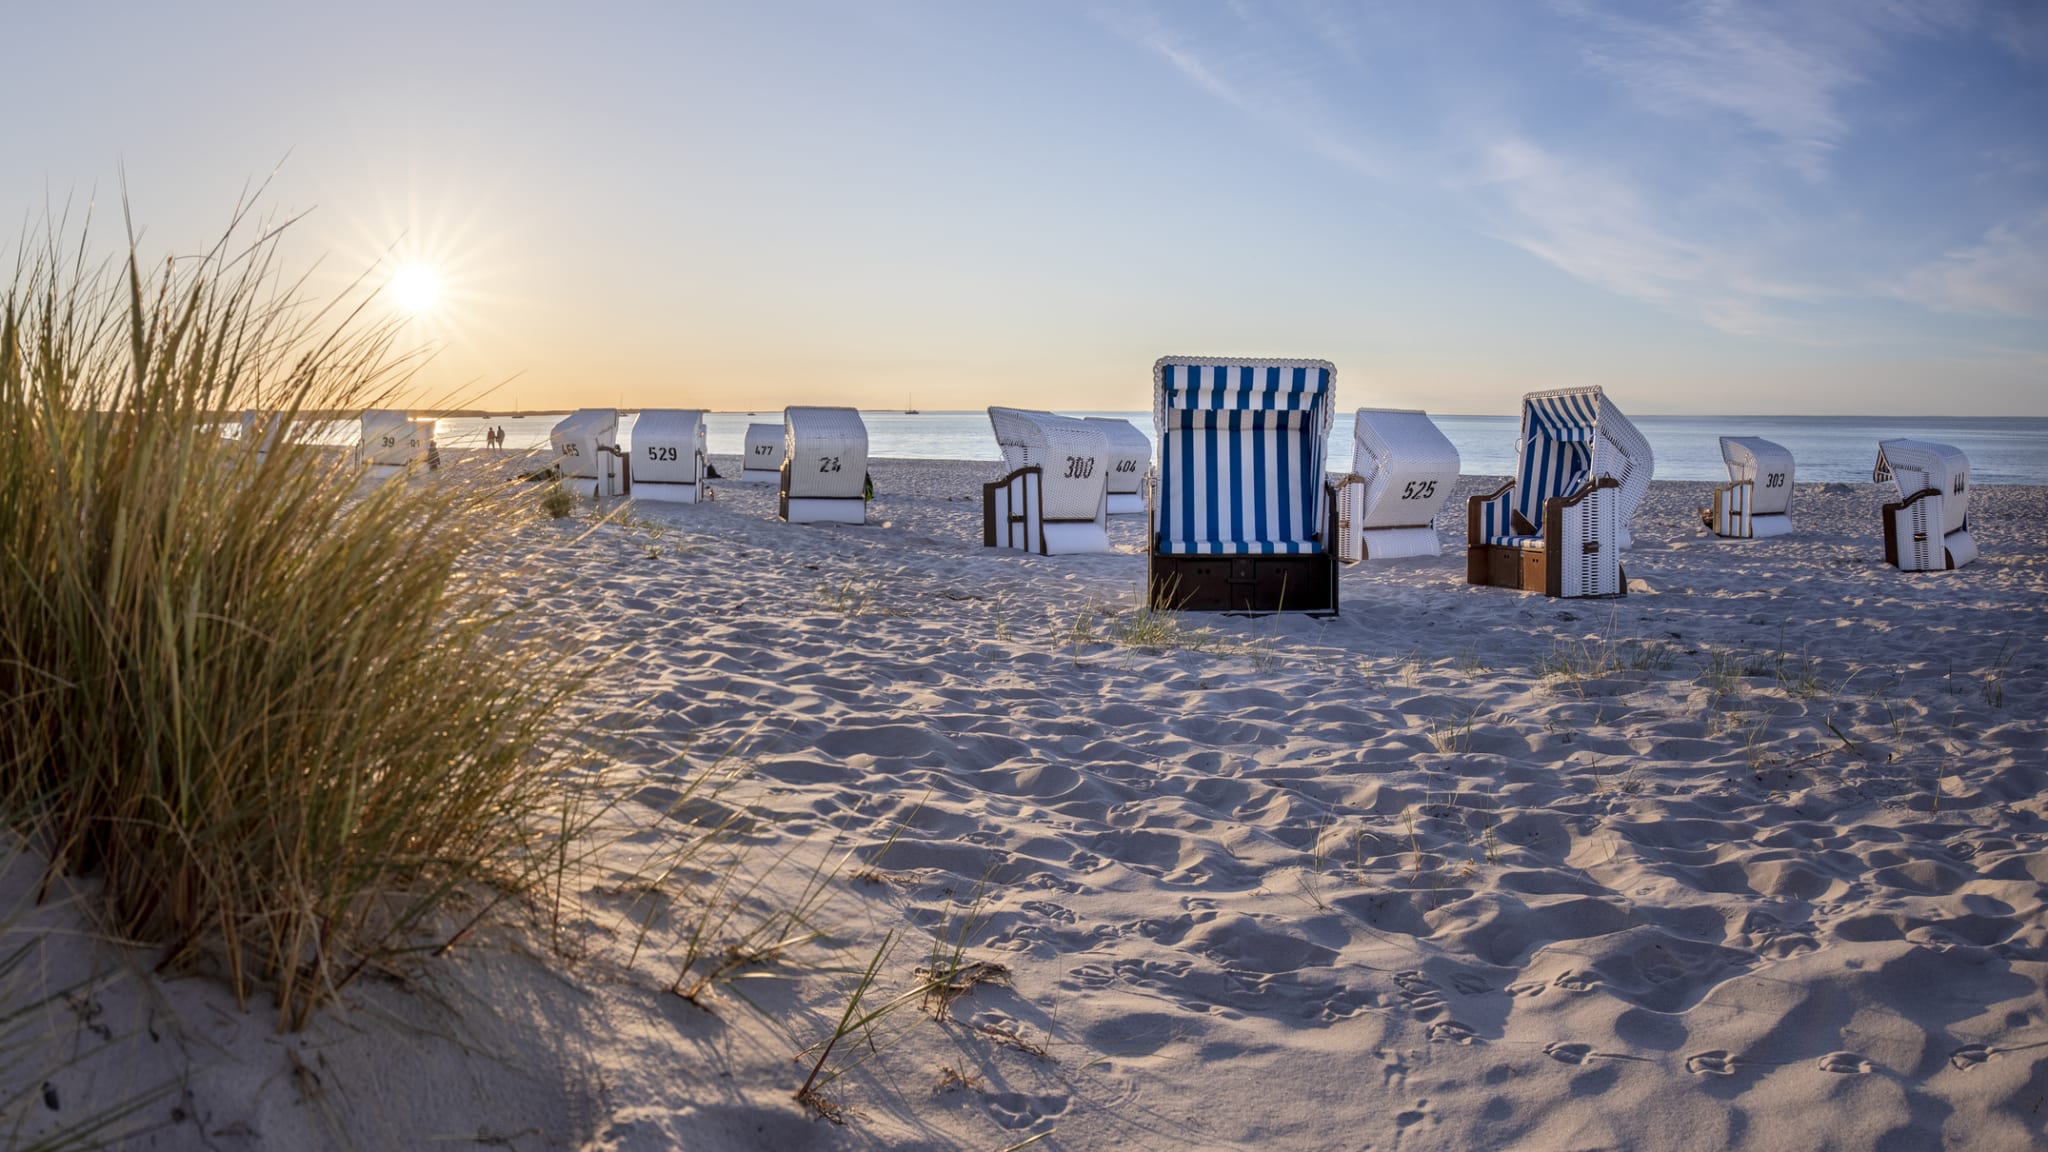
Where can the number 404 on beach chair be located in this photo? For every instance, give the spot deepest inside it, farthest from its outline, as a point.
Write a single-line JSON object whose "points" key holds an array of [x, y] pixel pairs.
{"points": [[1242, 509], [1559, 526], [1055, 499]]}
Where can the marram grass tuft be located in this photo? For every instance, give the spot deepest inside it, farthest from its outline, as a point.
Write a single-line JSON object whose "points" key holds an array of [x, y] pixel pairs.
{"points": [[283, 717]]}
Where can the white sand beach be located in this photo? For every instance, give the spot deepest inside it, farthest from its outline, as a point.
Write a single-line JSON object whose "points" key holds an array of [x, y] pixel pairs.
{"points": [[1753, 858]]}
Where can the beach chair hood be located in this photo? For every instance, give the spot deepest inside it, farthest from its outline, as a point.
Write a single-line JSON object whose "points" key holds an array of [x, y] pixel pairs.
{"points": [[827, 453], [577, 441], [1071, 454], [1242, 454], [1130, 454], [1766, 467], [1572, 435]]}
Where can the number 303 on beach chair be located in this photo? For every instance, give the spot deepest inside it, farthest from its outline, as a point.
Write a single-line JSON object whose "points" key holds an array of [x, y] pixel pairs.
{"points": [[1559, 526], [1242, 509], [1055, 501], [1757, 500]]}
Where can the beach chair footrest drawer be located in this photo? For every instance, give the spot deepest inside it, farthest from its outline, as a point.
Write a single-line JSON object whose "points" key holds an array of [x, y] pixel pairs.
{"points": [[1244, 583]]}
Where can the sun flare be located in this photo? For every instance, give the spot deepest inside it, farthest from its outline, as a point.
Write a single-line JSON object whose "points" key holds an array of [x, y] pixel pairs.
{"points": [[415, 288]]}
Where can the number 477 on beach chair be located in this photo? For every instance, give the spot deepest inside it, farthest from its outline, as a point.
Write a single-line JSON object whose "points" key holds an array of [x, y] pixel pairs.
{"points": [[1242, 509], [1559, 526]]}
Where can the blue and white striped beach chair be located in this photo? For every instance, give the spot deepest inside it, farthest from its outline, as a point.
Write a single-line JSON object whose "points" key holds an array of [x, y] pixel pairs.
{"points": [[1241, 507], [1559, 526]]}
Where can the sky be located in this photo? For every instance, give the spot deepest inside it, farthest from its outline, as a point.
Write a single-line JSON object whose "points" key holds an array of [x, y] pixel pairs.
{"points": [[1779, 207]]}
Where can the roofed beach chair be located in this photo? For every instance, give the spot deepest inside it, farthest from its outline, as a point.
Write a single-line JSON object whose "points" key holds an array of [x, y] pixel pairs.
{"points": [[668, 455], [585, 444], [761, 457], [1055, 500], [1402, 470], [392, 441], [1130, 464], [1928, 530], [824, 472], [1757, 500], [1559, 526], [261, 429], [1242, 510]]}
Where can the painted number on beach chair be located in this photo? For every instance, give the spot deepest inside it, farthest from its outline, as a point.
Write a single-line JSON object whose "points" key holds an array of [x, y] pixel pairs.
{"points": [[1774, 479], [1962, 482], [763, 449], [828, 463], [389, 442], [1080, 467], [1127, 465], [571, 449], [1419, 490], [661, 452]]}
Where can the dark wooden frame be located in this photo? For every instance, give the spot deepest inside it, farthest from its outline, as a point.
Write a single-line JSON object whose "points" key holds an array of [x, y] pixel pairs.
{"points": [[1527, 569], [1891, 530], [1256, 584]]}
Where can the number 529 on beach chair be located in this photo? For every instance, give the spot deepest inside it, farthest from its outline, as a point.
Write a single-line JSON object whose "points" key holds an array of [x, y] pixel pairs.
{"points": [[1242, 509]]}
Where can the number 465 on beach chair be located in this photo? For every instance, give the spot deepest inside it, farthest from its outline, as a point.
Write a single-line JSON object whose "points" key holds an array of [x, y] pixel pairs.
{"points": [[1242, 510], [1559, 526]]}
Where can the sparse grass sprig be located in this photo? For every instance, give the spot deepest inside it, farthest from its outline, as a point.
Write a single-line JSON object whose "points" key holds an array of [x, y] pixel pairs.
{"points": [[285, 719]]}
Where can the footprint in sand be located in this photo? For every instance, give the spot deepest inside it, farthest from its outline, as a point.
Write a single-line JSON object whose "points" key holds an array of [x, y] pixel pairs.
{"points": [[1017, 1110], [1565, 1053], [1844, 1064], [1715, 1063], [1576, 981], [1969, 1056], [1453, 1032]]}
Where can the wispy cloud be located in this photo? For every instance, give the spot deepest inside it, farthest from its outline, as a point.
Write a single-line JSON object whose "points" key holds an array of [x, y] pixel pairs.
{"points": [[2005, 274]]}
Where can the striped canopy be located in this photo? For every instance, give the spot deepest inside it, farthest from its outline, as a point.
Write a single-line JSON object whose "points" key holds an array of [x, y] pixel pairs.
{"points": [[1242, 445], [1557, 447]]}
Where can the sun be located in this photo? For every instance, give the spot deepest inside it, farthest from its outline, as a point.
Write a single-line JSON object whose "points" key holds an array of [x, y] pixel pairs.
{"points": [[415, 288]]}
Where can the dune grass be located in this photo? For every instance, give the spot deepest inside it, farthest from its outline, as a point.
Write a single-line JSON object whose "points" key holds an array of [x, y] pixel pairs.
{"points": [[283, 718]]}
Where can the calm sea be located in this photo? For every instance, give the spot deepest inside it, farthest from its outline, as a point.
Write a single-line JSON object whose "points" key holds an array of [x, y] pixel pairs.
{"points": [[1827, 448]]}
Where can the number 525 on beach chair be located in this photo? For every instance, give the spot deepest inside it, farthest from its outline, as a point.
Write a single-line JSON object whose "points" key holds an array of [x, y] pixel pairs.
{"points": [[1559, 526], [1242, 510], [1402, 471]]}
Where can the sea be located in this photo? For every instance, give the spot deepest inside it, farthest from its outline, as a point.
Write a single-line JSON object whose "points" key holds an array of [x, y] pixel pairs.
{"points": [[1828, 449]]}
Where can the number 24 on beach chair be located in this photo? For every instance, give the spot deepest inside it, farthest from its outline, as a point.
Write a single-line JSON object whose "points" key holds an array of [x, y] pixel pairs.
{"points": [[1242, 509]]}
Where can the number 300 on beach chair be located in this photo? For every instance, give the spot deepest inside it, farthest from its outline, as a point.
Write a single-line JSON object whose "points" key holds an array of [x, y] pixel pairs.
{"points": [[825, 466], [1055, 499], [1242, 510]]}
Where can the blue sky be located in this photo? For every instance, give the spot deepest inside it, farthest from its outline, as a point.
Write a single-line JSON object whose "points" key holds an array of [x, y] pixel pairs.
{"points": [[1806, 207]]}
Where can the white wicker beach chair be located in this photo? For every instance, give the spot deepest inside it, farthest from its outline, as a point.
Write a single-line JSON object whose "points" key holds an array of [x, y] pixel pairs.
{"points": [[668, 455], [1055, 500], [261, 429], [1559, 526], [1403, 468], [586, 451], [761, 455], [1242, 510], [825, 469], [1928, 529], [392, 442], [1130, 464], [1757, 500]]}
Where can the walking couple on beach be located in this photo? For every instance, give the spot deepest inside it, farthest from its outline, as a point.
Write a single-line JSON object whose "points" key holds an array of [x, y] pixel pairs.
{"points": [[494, 438]]}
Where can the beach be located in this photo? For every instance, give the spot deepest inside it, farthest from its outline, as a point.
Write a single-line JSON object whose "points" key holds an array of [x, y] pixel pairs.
{"points": [[1754, 857]]}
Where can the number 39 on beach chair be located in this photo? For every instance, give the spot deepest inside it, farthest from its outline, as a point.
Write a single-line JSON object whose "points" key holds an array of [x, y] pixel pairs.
{"points": [[1241, 507], [1757, 500], [825, 467], [1928, 530], [1559, 526], [1055, 501]]}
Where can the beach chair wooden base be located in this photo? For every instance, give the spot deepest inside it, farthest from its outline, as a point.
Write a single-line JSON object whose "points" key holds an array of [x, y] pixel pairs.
{"points": [[1251, 584], [666, 493], [1549, 565]]}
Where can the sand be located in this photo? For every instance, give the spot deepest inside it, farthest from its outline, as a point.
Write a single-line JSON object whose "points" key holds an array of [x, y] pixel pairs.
{"points": [[1752, 858]]}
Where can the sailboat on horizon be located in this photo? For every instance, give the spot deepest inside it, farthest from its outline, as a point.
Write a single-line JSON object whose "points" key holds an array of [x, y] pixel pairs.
{"points": [[910, 404]]}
